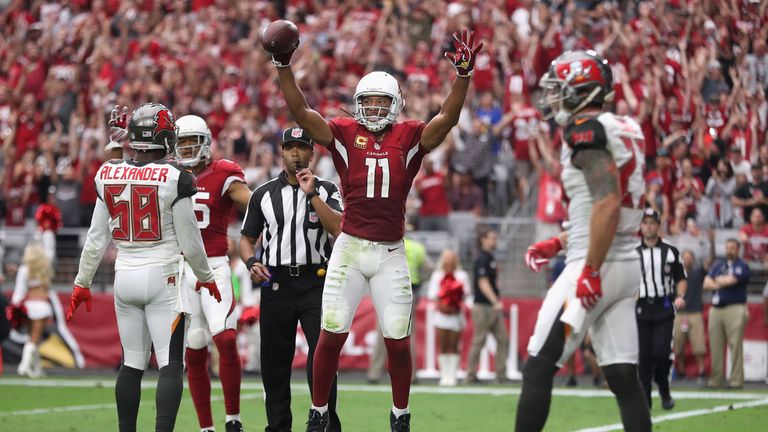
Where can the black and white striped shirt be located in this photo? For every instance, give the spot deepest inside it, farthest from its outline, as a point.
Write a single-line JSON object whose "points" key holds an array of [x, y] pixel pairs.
{"points": [[291, 229], [661, 268]]}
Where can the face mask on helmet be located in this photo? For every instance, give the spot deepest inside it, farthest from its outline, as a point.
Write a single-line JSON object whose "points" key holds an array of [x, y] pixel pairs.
{"points": [[194, 144], [574, 82], [371, 107], [191, 150]]}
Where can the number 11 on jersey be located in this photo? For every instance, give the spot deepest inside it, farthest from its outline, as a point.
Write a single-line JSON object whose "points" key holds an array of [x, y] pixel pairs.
{"points": [[371, 163]]}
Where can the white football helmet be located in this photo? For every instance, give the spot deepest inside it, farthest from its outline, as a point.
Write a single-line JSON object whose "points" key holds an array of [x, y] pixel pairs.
{"points": [[378, 84], [193, 126]]}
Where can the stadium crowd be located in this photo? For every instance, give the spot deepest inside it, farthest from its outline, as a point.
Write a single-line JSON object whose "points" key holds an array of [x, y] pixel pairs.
{"points": [[692, 73]]}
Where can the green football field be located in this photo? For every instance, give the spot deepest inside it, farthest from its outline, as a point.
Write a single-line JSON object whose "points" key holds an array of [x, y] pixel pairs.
{"points": [[87, 404]]}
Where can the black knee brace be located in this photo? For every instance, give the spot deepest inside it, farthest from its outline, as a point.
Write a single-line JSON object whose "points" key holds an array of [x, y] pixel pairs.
{"points": [[623, 381]]}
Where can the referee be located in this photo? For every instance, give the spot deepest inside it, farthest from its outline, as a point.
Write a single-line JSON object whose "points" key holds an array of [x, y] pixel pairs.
{"points": [[294, 216], [661, 291]]}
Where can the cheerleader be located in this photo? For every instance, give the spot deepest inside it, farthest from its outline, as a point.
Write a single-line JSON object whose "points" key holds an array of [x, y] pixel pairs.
{"points": [[449, 286], [30, 296]]}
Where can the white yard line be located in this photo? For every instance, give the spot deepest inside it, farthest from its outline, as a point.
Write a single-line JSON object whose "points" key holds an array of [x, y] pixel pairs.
{"points": [[424, 389], [685, 414], [64, 409]]}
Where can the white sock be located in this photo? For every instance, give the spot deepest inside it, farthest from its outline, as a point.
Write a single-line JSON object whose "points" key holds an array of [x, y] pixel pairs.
{"points": [[231, 417], [208, 429], [398, 412], [322, 410]]}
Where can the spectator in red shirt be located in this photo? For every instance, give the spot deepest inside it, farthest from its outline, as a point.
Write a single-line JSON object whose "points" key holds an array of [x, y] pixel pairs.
{"points": [[688, 188], [754, 236], [431, 188]]}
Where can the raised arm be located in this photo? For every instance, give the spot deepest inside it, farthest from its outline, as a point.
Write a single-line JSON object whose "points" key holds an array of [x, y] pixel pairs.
{"points": [[463, 61], [309, 119]]}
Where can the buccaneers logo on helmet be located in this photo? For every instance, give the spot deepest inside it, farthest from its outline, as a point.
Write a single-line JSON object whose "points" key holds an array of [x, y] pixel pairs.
{"points": [[164, 120]]}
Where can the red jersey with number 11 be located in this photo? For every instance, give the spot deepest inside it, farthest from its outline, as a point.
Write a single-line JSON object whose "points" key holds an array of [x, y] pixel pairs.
{"points": [[376, 177]]}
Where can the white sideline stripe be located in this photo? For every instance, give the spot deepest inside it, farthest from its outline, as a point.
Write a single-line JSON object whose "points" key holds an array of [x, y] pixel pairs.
{"points": [[474, 390], [75, 408], [684, 414]]}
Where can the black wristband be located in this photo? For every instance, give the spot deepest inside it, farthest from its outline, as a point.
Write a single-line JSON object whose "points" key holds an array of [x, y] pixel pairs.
{"points": [[250, 262], [313, 194]]}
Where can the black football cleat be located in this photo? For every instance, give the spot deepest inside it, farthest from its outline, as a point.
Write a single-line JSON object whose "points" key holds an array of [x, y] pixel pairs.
{"points": [[399, 424], [317, 422], [667, 403], [234, 426]]}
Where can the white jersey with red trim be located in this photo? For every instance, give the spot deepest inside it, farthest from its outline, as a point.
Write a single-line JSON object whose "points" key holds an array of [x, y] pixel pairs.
{"points": [[623, 138], [213, 205], [145, 208]]}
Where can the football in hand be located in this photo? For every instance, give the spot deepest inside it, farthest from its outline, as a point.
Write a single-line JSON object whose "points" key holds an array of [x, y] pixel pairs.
{"points": [[280, 37]]}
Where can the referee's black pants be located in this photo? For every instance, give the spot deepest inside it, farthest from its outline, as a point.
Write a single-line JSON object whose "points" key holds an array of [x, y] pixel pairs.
{"points": [[655, 324], [285, 301]]}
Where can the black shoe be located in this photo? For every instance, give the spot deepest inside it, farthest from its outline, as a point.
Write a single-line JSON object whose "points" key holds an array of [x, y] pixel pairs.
{"points": [[399, 424], [233, 426], [317, 422], [571, 382], [667, 403]]}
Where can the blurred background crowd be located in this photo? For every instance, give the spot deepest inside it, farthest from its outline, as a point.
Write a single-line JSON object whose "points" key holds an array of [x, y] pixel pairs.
{"points": [[693, 73]]}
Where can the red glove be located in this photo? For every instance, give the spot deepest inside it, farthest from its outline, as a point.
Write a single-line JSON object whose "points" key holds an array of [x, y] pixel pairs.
{"points": [[464, 58], [250, 315], [211, 287], [538, 254], [79, 295], [118, 124], [588, 287]]}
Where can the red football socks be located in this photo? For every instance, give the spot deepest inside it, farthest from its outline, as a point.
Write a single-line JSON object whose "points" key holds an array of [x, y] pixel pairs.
{"points": [[400, 369], [229, 369], [200, 384], [326, 363]]}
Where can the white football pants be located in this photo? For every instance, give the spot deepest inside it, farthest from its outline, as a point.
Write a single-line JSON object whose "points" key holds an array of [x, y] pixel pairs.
{"points": [[358, 265], [612, 320], [145, 300]]}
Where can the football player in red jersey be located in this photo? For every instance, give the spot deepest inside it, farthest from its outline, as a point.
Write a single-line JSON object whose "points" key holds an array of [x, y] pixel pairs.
{"points": [[377, 158], [220, 185]]}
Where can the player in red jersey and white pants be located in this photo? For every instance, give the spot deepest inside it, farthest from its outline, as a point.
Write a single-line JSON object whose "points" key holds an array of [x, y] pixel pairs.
{"points": [[220, 185], [145, 205], [377, 158]]}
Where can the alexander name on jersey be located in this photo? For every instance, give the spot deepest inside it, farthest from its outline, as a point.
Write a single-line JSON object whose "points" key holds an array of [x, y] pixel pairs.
{"points": [[130, 173]]}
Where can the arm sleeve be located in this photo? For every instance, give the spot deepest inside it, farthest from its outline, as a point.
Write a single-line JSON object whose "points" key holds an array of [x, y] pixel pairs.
{"points": [[20, 290], [190, 240], [99, 236], [743, 276], [253, 222], [334, 197]]}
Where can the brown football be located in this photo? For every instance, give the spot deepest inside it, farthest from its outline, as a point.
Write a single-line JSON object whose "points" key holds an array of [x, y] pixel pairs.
{"points": [[280, 36]]}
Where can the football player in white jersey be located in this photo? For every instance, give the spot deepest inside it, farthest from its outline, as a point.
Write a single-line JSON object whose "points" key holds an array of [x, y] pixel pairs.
{"points": [[603, 177], [220, 184], [145, 205]]}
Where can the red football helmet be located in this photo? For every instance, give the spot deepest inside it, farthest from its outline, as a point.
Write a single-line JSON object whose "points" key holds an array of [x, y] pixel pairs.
{"points": [[575, 80]]}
